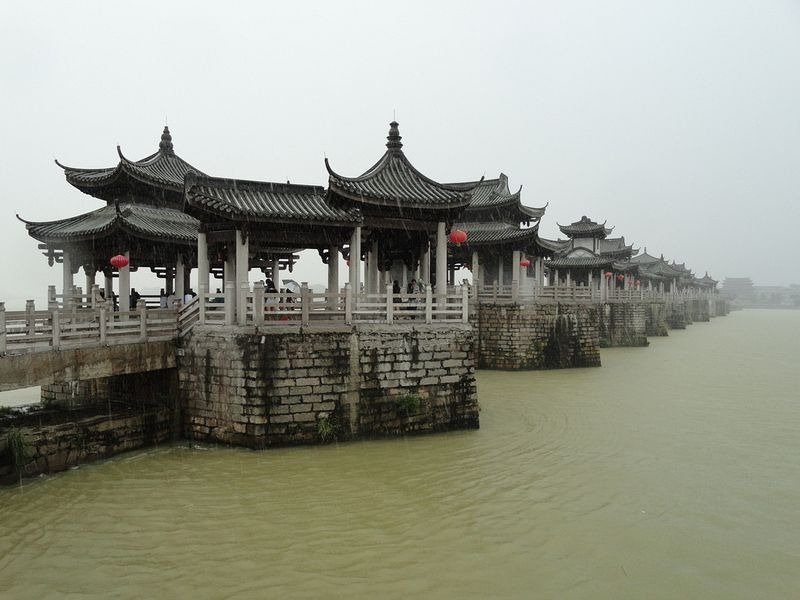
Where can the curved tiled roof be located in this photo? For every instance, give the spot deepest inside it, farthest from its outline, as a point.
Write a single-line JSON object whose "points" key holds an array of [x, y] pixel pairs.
{"points": [[393, 181], [580, 261], [163, 169], [494, 194], [585, 227], [141, 220], [645, 258], [495, 232], [265, 201], [660, 268]]}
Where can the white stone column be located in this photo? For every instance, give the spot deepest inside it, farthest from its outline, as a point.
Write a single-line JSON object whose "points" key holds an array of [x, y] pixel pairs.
{"points": [[569, 277], [476, 270], [425, 264], [180, 273], [125, 285], [500, 277], [202, 264], [276, 273], [374, 273], [108, 288], [242, 276], [67, 281], [441, 259], [515, 273], [540, 271], [333, 275], [89, 274], [355, 261]]}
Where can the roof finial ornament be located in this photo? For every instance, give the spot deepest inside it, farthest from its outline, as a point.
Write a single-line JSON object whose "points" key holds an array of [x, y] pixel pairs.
{"points": [[394, 136], [165, 146]]}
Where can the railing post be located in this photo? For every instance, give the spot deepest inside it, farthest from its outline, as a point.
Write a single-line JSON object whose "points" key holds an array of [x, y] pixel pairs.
{"points": [[51, 297], [56, 326], [95, 292], [258, 303], [201, 306], [3, 343], [464, 304], [103, 323], [348, 303], [30, 318], [389, 303], [515, 290], [143, 323], [428, 305], [305, 301]]}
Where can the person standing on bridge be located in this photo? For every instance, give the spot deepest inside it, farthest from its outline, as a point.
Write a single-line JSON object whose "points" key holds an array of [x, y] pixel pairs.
{"points": [[135, 296]]}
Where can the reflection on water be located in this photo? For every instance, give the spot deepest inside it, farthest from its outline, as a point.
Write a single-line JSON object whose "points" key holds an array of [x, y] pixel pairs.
{"points": [[671, 472]]}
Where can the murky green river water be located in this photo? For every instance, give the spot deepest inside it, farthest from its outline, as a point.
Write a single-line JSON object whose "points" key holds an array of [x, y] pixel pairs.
{"points": [[670, 472]]}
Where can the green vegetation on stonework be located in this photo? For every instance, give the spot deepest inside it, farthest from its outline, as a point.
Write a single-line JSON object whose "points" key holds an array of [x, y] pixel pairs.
{"points": [[19, 448], [407, 405], [6, 410], [327, 429]]}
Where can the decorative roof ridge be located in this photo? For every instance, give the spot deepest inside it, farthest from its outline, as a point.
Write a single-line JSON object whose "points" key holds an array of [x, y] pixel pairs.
{"points": [[82, 170], [584, 220], [394, 150], [193, 179], [66, 219]]}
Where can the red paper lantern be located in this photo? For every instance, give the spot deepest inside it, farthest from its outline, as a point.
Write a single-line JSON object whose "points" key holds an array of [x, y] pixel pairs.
{"points": [[524, 263], [607, 274], [458, 237], [119, 261], [620, 277]]}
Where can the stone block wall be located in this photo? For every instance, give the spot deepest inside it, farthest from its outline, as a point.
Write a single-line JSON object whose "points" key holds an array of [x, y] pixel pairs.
{"points": [[622, 324], [655, 319], [537, 336], [699, 309], [676, 314], [280, 386], [55, 441], [76, 394]]}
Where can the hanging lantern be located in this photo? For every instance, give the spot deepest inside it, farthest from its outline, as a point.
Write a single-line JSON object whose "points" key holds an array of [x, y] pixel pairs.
{"points": [[607, 274], [119, 261], [638, 283], [620, 277], [524, 263], [457, 236]]}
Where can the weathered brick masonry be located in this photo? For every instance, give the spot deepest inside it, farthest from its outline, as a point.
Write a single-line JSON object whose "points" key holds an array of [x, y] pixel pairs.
{"points": [[622, 324], [279, 387], [56, 440], [536, 336], [655, 319]]}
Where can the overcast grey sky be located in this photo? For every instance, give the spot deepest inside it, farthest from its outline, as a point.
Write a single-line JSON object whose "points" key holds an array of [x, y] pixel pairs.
{"points": [[678, 121]]}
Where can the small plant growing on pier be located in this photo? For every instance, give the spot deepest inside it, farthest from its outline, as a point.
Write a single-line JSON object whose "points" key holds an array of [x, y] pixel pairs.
{"points": [[19, 448], [6, 410], [407, 405], [327, 429]]}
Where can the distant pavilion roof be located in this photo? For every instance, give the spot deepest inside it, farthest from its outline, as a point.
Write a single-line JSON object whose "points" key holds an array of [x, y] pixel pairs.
{"points": [[705, 281], [139, 220], [494, 194], [479, 233], [239, 199], [163, 170], [585, 228], [660, 268], [645, 258], [394, 182], [581, 262]]}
